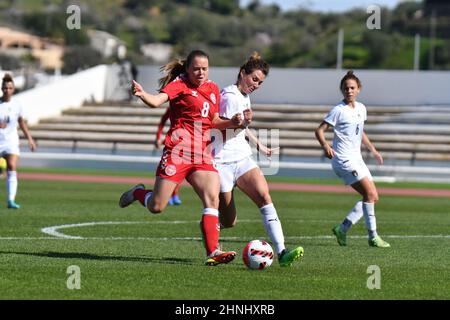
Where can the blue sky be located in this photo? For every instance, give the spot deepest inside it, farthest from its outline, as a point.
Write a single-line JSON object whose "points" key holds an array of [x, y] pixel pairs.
{"points": [[328, 5]]}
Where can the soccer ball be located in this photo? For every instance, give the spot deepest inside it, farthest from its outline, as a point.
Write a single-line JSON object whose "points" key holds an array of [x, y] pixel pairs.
{"points": [[2, 164], [257, 254]]}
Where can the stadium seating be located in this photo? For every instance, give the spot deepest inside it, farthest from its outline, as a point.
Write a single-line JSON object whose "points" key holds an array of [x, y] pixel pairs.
{"points": [[404, 133]]}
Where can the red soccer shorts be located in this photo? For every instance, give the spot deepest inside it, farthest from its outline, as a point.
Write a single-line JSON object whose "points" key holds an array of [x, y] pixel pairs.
{"points": [[177, 171]]}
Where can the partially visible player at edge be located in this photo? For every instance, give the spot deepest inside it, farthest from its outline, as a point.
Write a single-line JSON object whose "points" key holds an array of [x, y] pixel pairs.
{"points": [[347, 119], [236, 166], [11, 116], [175, 198], [194, 103]]}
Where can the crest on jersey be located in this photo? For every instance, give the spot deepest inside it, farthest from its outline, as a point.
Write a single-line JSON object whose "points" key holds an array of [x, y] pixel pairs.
{"points": [[170, 170], [213, 98], [194, 93]]}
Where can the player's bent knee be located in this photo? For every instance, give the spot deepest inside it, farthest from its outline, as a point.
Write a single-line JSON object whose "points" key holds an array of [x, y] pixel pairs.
{"points": [[155, 208]]}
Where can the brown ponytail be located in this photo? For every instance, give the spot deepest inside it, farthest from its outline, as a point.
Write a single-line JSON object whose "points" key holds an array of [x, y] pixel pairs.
{"points": [[172, 70]]}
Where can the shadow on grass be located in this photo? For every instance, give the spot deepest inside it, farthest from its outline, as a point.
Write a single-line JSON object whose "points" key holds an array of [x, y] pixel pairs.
{"points": [[89, 256]]}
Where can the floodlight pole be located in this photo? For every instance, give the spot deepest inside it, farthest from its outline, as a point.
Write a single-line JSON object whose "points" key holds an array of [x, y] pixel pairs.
{"points": [[340, 48], [432, 36], [417, 52]]}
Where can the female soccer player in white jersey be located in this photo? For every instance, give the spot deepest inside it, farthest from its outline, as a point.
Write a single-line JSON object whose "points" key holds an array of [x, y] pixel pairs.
{"points": [[347, 119], [237, 168], [11, 115]]}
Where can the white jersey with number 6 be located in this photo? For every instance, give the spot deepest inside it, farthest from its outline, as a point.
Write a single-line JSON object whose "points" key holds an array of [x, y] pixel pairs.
{"points": [[348, 126]]}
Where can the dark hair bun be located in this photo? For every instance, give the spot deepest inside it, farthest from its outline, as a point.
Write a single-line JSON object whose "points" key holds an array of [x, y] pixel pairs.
{"points": [[7, 78]]}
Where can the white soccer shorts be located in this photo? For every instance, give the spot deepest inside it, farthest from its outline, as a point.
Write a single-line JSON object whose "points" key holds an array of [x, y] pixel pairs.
{"points": [[351, 171], [230, 172], [9, 149]]}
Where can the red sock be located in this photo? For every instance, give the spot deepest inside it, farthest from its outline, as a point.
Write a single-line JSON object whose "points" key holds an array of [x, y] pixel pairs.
{"points": [[175, 192], [210, 229], [139, 194]]}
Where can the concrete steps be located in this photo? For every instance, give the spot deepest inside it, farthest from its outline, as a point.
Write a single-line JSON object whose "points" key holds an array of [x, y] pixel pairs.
{"points": [[417, 132]]}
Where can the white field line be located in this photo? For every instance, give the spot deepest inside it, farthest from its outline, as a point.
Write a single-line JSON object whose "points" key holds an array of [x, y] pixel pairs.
{"points": [[320, 237], [55, 234]]}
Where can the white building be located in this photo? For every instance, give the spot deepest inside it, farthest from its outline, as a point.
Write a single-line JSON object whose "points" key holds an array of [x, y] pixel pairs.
{"points": [[107, 44], [158, 52]]}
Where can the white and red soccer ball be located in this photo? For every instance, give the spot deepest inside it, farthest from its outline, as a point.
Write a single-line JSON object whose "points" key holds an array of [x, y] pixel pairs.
{"points": [[258, 254]]}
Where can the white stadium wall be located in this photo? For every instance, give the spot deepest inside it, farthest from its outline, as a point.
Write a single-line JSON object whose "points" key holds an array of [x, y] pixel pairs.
{"points": [[69, 92], [321, 86]]}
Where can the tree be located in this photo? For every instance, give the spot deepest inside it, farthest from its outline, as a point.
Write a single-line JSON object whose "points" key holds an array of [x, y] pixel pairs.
{"points": [[80, 57], [225, 7], [379, 46], [9, 62]]}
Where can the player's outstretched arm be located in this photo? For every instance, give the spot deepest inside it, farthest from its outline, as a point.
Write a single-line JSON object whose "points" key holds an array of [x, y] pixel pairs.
{"points": [[259, 146], [152, 100]]}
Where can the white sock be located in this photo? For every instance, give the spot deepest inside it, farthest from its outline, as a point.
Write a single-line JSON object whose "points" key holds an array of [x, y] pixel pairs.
{"points": [[353, 216], [147, 197], [211, 211], [273, 226], [11, 185], [369, 217]]}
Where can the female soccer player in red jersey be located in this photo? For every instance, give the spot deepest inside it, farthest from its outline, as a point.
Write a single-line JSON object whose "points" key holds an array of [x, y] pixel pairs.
{"points": [[193, 101]]}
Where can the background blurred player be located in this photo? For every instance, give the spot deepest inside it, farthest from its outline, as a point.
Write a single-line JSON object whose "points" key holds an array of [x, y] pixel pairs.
{"points": [[347, 120], [2, 167], [11, 116]]}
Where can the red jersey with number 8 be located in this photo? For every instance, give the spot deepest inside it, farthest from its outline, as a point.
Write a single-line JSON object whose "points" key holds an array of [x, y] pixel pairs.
{"points": [[191, 112]]}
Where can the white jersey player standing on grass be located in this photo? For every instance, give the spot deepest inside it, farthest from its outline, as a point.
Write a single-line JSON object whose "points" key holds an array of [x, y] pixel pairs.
{"points": [[237, 168], [11, 116], [347, 119]]}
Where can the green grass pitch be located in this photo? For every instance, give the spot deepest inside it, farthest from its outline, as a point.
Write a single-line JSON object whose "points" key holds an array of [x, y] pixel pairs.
{"points": [[133, 254]]}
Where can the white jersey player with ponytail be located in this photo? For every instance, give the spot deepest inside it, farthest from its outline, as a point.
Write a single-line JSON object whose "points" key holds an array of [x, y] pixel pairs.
{"points": [[237, 168], [11, 116], [347, 119]]}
